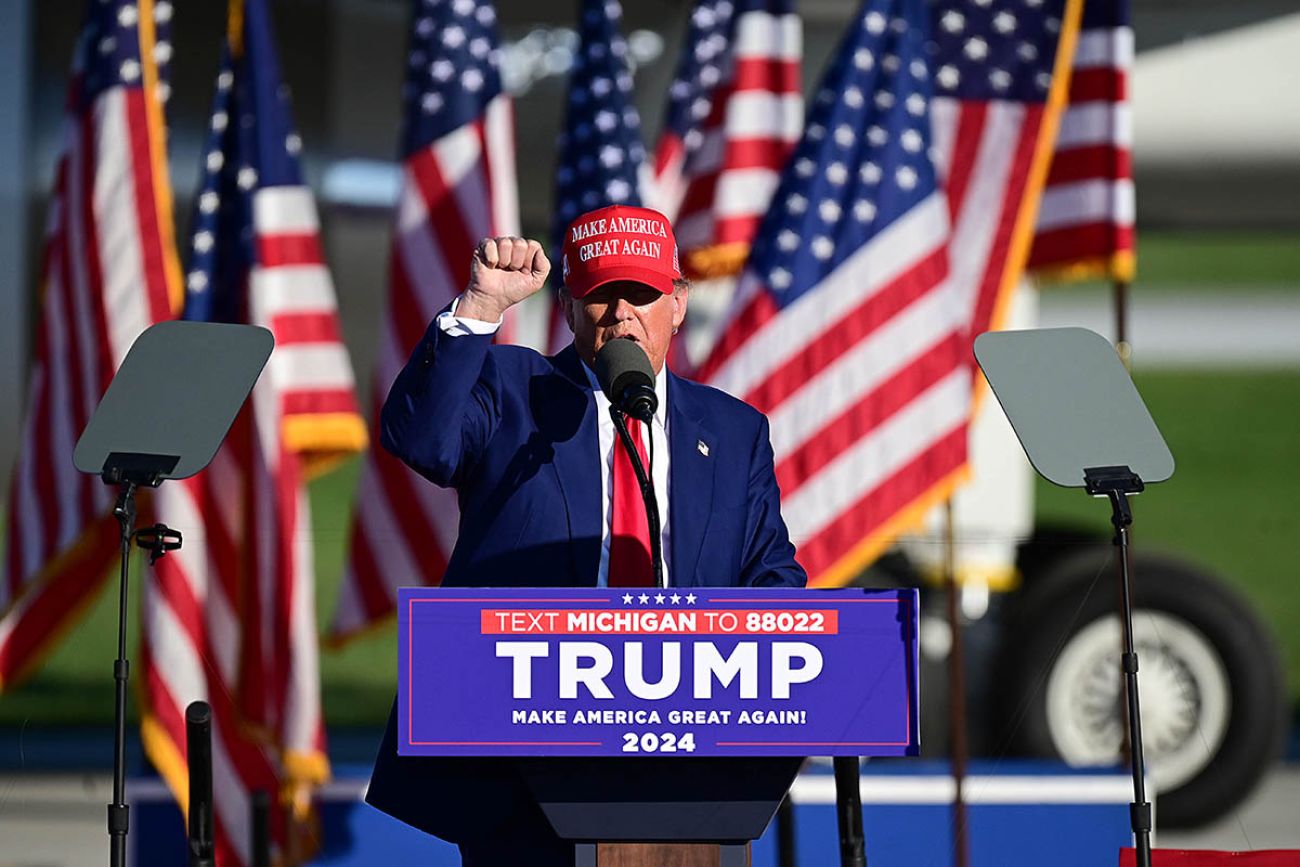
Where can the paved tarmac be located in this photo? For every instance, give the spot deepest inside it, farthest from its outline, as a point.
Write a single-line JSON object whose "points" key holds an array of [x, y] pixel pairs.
{"points": [[58, 820]]}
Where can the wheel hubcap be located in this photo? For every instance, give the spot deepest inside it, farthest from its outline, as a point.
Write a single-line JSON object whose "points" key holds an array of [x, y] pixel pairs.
{"points": [[1182, 686]]}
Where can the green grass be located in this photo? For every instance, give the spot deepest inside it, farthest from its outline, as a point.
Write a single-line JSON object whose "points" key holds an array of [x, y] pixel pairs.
{"points": [[1231, 504], [1211, 262]]}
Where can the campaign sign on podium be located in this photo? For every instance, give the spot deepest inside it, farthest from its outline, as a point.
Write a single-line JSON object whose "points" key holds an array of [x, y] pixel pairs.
{"points": [[683, 671]]}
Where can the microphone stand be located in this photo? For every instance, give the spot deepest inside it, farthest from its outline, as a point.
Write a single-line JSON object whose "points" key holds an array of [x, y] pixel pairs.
{"points": [[647, 490]]}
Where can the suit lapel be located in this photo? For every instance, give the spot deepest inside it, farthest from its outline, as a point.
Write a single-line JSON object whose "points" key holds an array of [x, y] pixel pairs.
{"points": [[690, 480], [577, 472]]}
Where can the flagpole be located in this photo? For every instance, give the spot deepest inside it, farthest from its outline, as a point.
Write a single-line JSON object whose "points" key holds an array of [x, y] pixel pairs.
{"points": [[1119, 290], [956, 692]]}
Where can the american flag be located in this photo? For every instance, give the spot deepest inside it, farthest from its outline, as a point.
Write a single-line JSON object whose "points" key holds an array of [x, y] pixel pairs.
{"points": [[230, 618], [1085, 223], [458, 186], [999, 69], [845, 329], [109, 270], [735, 111], [602, 160]]}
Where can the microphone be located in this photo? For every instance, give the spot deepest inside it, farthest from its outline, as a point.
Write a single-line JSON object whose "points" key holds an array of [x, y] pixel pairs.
{"points": [[625, 375]]}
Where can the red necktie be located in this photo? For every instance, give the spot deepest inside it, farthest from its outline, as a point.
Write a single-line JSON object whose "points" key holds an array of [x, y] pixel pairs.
{"points": [[629, 537]]}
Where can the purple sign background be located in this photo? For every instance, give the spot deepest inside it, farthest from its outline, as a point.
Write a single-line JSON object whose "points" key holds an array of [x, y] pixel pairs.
{"points": [[458, 696]]}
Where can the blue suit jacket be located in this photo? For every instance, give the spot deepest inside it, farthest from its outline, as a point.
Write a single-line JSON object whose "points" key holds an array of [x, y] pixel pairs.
{"points": [[516, 434]]}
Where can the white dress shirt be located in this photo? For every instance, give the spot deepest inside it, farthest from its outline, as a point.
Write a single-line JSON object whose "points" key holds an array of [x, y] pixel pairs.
{"points": [[457, 326]]}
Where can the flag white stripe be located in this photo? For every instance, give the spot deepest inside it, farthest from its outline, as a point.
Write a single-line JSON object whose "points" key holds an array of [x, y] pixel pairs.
{"points": [[308, 366], [862, 467], [59, 408], [287, 289], [763, 114], [117, 222], [302, 720], [28, 520], [977, 222], [73, 254], [421, 256], [891, 252], [1104, 48], [944, 114], [285, 211], [742, 192], [864, 367], [389, 547], [766, 36], [499, 129], [457, 154], [1092, 201], [1096, 123]]}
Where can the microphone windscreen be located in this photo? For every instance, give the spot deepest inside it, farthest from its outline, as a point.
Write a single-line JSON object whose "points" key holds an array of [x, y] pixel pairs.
{"points": [[621, 363]]}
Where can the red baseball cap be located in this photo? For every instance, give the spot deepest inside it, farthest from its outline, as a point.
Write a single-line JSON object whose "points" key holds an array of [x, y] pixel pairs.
{"points": [[619, 242]]}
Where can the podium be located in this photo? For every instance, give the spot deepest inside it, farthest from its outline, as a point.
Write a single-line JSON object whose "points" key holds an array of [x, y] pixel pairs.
{"points": [[643, 812], [655, 727]]}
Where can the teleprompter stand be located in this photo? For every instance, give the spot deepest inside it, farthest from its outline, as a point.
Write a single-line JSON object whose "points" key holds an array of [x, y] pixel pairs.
{"points": [[1083, 424], [163, 416]]}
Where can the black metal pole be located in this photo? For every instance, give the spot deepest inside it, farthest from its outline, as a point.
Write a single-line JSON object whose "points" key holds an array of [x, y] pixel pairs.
{"points": [[956, 695], [1140, 809], [118, 811], [198, 748], [785, 842], [260, 806], [848, 812]]}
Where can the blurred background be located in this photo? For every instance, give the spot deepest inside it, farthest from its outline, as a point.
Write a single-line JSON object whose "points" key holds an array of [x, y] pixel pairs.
{"points": [[1215, 307]]}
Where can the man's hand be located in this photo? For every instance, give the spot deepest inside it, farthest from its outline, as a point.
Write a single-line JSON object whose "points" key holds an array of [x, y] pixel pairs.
{"points": [[504, 272]]}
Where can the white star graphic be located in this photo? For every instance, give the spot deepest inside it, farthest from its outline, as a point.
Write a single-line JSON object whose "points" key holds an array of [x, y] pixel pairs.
{"points": [[952, 21], [659, 599], [627, 598], [675, 598], [643, 599], [823, 247], [690, 598], [976, 48]]}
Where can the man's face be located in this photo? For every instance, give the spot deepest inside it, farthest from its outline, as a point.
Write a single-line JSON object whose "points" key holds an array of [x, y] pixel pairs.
{"points": [[625, 309]]}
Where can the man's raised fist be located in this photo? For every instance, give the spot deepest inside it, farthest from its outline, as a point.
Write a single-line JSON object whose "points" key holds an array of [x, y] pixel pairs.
{"points": [[504, 271]]}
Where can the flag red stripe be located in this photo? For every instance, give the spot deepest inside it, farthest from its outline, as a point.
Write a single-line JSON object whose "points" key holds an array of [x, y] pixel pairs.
{"points": [[869, 412], [1104, 162], [968, 137], [1080, 242], [881, 503], [1098, 84], [317, 327], [877, 310], [765, 73], [57, 600], [323, 401], [735, 230], [280, 248]]}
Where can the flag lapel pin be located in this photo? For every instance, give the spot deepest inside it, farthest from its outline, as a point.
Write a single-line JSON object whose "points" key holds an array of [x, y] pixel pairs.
{"points": [[703, 447]]}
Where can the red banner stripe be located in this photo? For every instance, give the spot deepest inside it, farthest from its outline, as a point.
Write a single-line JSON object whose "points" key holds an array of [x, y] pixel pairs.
{"points": [[289, 249], [1100, 162]]}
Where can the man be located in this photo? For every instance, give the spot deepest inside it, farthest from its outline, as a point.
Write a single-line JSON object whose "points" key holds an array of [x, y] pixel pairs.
{"points": [[546, 490]]}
